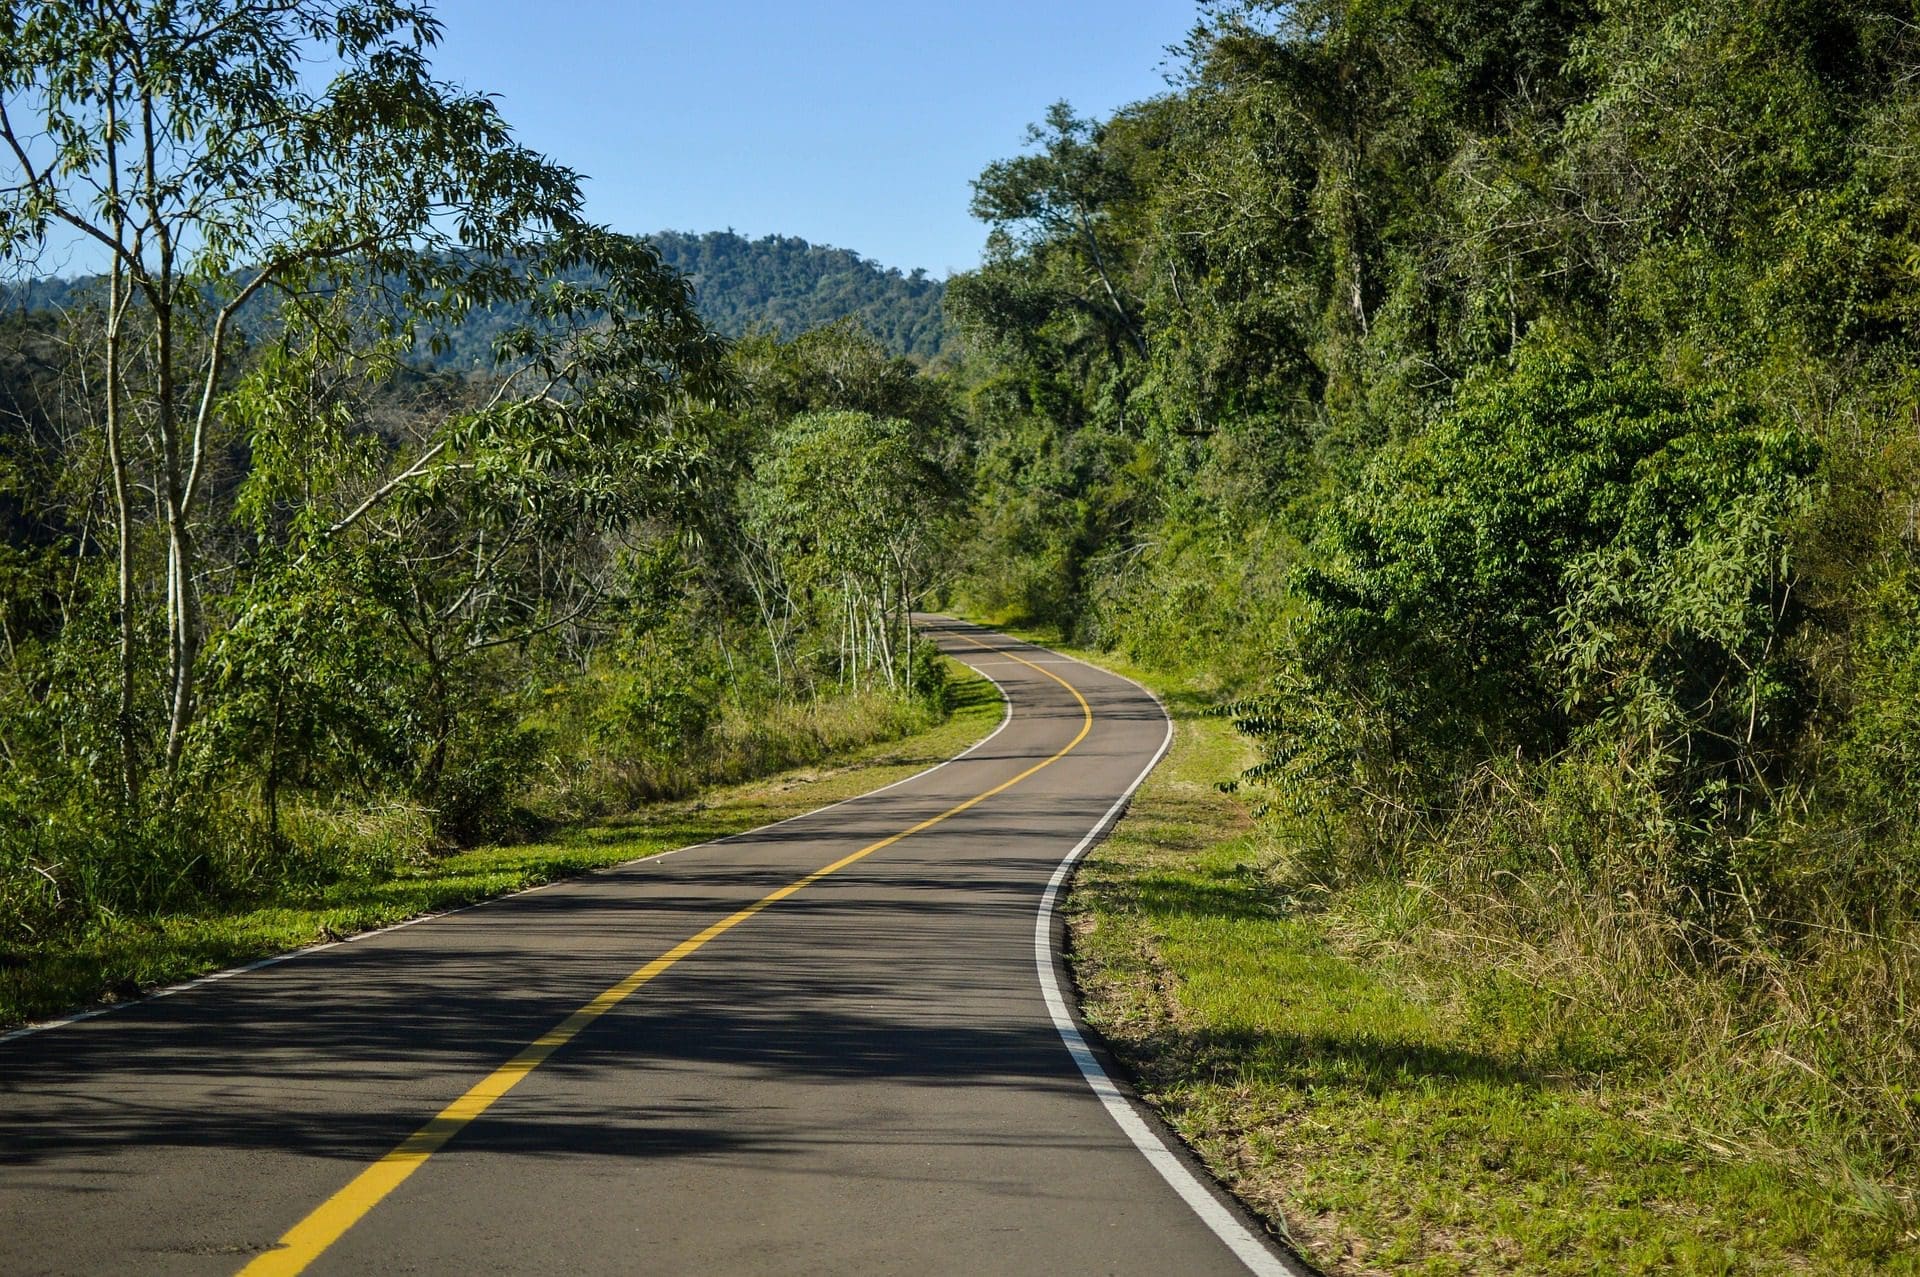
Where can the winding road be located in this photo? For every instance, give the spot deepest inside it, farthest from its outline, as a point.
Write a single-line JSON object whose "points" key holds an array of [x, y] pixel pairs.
{"points": [[837, 1044]]}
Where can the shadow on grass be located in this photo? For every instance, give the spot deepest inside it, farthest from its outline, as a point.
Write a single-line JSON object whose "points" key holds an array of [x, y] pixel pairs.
{"points": [[971, 695], [1166, 896], [1186, 706], [1374, 1065]]}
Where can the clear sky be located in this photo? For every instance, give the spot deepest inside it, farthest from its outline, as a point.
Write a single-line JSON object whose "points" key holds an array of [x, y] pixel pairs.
{"points": [[856, 124]]}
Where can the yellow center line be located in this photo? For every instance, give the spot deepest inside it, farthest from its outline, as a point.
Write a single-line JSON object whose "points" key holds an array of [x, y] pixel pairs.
{"points": [[308, 1239]]}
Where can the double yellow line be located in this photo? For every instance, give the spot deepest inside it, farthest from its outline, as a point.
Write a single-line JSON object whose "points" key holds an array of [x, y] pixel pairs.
{"points": [[308, 1239]]}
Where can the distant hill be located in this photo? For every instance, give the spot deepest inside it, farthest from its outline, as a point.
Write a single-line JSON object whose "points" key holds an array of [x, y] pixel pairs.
{"points": [[741, 285], [51, 294], [779, 282]]}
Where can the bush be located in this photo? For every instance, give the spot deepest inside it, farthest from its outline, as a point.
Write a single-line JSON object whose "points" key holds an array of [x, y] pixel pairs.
{"points": [[1576, 560], [930, 681]]}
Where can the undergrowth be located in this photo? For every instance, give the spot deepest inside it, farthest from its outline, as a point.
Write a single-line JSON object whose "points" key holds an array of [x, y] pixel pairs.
{"points": [[334, 872], [1454, 1071]]}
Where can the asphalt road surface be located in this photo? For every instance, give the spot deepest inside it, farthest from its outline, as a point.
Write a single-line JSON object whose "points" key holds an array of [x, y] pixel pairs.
{"points": [[723, 1060]]}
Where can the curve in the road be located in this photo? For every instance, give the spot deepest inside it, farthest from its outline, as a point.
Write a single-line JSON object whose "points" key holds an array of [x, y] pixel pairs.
{"points": [[308, 1239], [867, 1079]]}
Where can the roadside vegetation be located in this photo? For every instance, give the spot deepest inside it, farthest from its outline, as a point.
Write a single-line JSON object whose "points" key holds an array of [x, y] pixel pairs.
{"points": [[1509, 410], [825, 753], [1396, 1086], [297, 630]]}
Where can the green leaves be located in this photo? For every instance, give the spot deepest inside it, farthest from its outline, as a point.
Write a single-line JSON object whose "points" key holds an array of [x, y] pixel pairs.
{"points": [[853, 516], [844, 493], [1573, 556]]}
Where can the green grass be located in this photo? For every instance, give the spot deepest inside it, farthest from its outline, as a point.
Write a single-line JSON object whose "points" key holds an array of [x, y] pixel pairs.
{"points": [[1391, 1109], [117, 960]]}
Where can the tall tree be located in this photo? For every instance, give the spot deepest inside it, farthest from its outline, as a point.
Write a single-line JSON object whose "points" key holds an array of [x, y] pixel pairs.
{"points": [[190, 146], [854, 516]]}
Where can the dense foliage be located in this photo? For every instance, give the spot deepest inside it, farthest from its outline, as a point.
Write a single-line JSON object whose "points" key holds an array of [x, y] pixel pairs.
{"points": [[1514, 402], [281, 601]]}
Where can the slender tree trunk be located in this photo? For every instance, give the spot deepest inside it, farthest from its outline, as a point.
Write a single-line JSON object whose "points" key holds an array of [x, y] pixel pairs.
{"points": [[763, 602], [183, 613], [883, 618], [880, 630], [906, 626], [183, 585], [183, 629], [1352, 233], [273, 769], [857, 638], [186, 634], [1127, 324], [123, 515], [119, 294]]}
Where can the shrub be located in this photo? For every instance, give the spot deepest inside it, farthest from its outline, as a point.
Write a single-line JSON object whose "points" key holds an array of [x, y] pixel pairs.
{"points": [[1575, 559]]}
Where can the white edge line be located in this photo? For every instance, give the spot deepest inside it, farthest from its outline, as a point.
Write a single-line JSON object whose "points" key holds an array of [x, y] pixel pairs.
{"points": [[167, 991], [1246, 1246]]}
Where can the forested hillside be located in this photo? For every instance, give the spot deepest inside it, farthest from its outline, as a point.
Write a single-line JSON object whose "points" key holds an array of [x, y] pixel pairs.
{"points": [[1514, 403], [789, 286], [775, 284]]}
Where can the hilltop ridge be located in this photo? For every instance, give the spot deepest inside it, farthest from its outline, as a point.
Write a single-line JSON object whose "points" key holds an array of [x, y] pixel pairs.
{"points": [[787, 284], [778, 283]]}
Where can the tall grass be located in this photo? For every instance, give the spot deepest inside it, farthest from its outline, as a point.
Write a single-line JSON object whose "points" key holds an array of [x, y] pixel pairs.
{"points": [[612, 774], [76, 867], [752, 742], [1793, 1040]]}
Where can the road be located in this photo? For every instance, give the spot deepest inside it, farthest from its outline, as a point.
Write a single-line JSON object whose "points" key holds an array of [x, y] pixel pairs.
{"points": [[722, 1060]]}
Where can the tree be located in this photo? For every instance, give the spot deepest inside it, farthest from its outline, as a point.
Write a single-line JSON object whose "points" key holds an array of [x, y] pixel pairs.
{"points": [[187, 144], [1063, 194], [494, 514], [854, 516]]}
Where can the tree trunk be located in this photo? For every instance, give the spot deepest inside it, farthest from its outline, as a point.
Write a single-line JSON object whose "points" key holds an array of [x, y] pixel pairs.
{"points": [[123, 515], [183, 613], [883, 634], [119, 294], [184, 623], [906, 625], [1127, 325], [273, 769]]}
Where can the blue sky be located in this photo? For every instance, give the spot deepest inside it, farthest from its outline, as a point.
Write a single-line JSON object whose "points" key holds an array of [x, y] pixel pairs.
{"points": [[855, 124]]}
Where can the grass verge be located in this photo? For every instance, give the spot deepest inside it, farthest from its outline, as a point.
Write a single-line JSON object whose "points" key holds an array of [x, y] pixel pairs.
{"points": [[119, 959], [1392, 1107]]}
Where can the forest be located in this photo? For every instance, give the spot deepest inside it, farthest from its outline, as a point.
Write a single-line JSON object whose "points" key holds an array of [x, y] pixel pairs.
{"points": [[784, 285], [1512, 405], [1508, 411]]}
